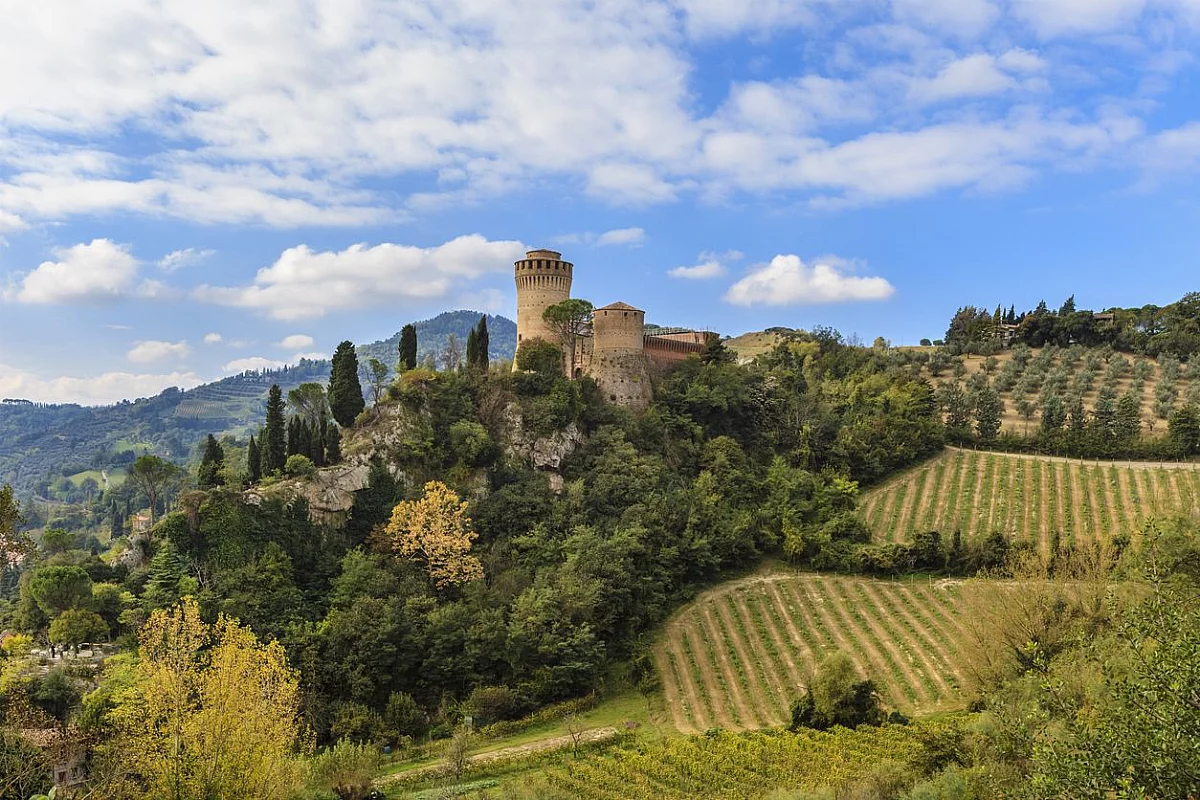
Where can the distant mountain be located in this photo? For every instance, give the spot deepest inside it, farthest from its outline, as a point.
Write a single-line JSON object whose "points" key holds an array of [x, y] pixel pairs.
{"points": [[40, 442], [432, 335]]}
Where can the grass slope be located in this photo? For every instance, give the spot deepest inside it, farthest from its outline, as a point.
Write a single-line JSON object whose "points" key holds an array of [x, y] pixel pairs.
{"points": [[738, 656], [1029, 497]]}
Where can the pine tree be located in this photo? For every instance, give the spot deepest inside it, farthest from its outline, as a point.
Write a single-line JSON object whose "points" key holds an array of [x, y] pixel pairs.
{"points": [[408, 347], [345, 391], [253, 462], [209, 474], [1129, 416], [333, 446], [274, 450]]}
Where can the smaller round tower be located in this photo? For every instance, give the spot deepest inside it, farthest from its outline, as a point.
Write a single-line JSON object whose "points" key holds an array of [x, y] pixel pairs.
{"points": [[618, 355], [543, 279]]}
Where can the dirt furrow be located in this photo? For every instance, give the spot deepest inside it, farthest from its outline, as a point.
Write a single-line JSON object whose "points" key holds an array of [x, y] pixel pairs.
{"points": [[924, 646], [736, 681], [718, 693], [677, 703], [777, 618], [701, 714], [773, 674], [900, 651], [850, 638]]}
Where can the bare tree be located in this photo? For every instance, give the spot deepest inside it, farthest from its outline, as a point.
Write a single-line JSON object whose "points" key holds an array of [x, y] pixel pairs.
{"points": [[452, 353]]}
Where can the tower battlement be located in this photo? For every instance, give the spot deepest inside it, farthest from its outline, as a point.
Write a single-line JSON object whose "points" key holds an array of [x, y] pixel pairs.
{"points": [[543, 279]]}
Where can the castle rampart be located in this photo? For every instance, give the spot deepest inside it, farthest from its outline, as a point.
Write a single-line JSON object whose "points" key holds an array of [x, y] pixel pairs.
{"points": [[618, 358]]}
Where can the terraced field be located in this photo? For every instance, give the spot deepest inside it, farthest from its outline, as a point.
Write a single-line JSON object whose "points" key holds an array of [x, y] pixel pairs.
{"points": [[1028, 497], [737, 657]]}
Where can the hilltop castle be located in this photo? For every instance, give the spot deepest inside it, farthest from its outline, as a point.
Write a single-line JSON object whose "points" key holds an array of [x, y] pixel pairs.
{"points": [[617, 352]]}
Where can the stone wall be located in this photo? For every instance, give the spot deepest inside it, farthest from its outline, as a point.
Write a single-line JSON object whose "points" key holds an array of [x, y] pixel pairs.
{"points": [[543, 279], [618, 361]]}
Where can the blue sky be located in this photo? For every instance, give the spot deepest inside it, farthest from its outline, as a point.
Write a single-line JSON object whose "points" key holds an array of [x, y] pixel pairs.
{"points": [[189, 189]]}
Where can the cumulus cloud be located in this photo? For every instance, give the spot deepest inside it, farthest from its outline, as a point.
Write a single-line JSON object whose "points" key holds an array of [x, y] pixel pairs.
{"points": [[178, 259], [98, 272], [150, 351], [705, 270], [974, 76], [101, 389], [297, 341], [788, 281], [213, 338], [303, 283]]}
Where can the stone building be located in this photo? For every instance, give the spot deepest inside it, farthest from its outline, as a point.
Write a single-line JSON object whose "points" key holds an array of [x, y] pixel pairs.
{"points": [[618, 351]]}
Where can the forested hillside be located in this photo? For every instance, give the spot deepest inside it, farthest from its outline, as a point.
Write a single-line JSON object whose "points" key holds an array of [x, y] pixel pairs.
{"points": [[43, 443]]}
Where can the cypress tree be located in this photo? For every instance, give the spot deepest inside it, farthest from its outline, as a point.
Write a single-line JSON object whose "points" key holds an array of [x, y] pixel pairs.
{"points": [[209, 474], [333, 446], [274, 450], [317, 443], [473, 349], [253, 462], [345, 391], [293, 436], [484, 344], [408, 347]]}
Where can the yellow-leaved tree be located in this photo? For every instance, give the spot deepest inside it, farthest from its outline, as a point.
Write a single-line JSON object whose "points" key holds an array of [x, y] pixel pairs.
{"points": [[436, 531], [213, 713]]}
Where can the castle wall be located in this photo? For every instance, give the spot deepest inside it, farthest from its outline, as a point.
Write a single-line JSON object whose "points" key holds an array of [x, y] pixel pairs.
{"points": [[618, 361], [543, 279], [674, 348]]}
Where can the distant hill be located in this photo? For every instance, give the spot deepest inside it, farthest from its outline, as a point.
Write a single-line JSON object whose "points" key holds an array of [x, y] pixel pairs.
{"points": [[432, 335], [40, 442]]}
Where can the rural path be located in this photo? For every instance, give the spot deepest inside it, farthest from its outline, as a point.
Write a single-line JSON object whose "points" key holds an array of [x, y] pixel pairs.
{"points": [[505, 753]]}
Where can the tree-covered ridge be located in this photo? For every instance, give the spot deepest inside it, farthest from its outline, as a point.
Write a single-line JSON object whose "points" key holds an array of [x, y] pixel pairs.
{"points": [[433, 334], [1148, 330]]}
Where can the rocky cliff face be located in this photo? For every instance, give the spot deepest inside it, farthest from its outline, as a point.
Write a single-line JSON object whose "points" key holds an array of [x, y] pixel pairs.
{"points": [[391, 436]]}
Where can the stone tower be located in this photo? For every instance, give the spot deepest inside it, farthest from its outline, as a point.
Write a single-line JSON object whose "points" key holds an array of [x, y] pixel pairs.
{"points": [[543, 279], [618, 355]]}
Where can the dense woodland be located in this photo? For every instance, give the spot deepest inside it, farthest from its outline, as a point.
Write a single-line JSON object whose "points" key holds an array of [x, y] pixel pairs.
{"points": [[466, 583]]}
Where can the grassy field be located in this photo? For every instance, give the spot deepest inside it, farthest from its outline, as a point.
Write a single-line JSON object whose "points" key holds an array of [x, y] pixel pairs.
{"points": [[115, 478], [737, 657], [1028, 497]]}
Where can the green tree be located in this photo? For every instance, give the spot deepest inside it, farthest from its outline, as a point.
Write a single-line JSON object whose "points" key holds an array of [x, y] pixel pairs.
{"points": [[273, 445], [1184, 429], [568, 320], [152, 475], [333, 446], [377, 379], [347, 769], [253, 462], [408, 347], [485, 344], [77, 626], [59, 588], [472, 348], [837, 696], [310, 403], [988, 410], [538, 355], [209, 474], [345, 391], [1129, 416], [13, 543]]}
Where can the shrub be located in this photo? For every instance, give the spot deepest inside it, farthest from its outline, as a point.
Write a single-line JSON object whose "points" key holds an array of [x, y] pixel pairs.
{"points": [[299, 466], [837, 696], [346, 769]]}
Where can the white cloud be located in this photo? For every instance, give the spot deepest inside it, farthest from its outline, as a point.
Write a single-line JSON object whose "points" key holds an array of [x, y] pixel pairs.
{"points": [[178, 259], [147, 352], [101, 271], [705, 270], [620, 236], [253, 363], [102, 389], [297, 341], [213, 338], [1051, 18], [960, 18], [305, 283], [625, 236], [313, 356], [974, 76], [789, 281]]}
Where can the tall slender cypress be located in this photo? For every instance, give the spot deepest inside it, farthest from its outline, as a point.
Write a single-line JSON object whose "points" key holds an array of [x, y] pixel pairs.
{"points": [[345, 390], [293, 436], [333, 446], [209, 474], [275, 449], [473, 348], [253, 462], [484, 344], [408, 347]]}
